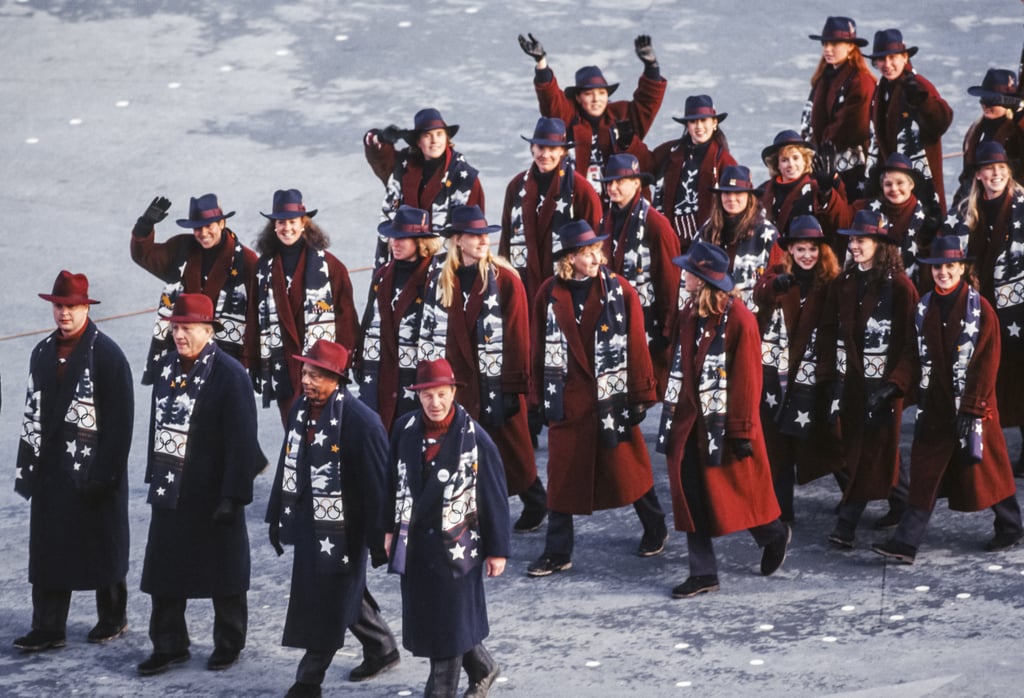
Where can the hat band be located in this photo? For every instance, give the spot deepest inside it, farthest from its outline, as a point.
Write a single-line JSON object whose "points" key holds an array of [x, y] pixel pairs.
{"points": [[585, 237], [291, 207], [431, 125], [740, 183], [593, 82], [867, 229], [470, 225], [411, 228], [700, 111], [951, 254], [560, 137], [703, 265], [839, 35], [210, 213], [899, 47], [622, 173]]}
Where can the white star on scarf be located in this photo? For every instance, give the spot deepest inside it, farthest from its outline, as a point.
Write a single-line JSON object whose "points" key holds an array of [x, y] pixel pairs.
{"points": [[318, 440], [474, 553], [951, 220], [1014, 329], [86, 450], [767, 234], [160, 491], [552, 389], [170, 477], [334, 422], [458, 552], [919, 214], [17, 473], [326, 546], [608, 423], [408, 394], [77, 467], [835, 406], [287, 511], [166, 372], [970, 327], [72, 447], [802, 418], [711, 444], [770, 400]]}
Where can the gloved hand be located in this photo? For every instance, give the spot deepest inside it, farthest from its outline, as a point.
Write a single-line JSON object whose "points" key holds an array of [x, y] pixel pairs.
{"points": [[964, 425], [155, 213], [390, 134], [657, 345], [624, 133], [741, 448], [912, 90], [274, 534], [636, 414], [225, 511], [824, 166], [880, 396], [510, 404], [644, 50], [782, 282], [531, 47], [378, 556], [94, 492]]}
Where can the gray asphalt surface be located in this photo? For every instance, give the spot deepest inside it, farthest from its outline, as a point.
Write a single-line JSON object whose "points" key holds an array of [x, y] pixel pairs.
{"points": [[107, 104]]}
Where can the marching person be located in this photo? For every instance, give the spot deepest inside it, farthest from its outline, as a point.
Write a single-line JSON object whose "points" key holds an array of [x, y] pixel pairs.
{"points": [[908, 116], [476, 316], [599, 127], [866, 360], [450, 528], [203, 456], [642, 246], [385, 364], [790, 297], [303, 293], [795, 187], [328, 501], [73, 465], [710, 427], [686, 169], [429, 174], [211, 260], [959, 450], [593, 382], [838, 110]]}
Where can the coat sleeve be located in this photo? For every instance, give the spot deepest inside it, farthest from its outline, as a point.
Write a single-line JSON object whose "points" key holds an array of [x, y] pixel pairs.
{"points": [[641, 384], [765, 296], [551, 100], [743, 361], [492, 500], [828, 334], [585, 202], [934, 115], [505, 241], [243, 459], [346, 324], [381, 158], [646, 103], [370, 441], [903, 358], [161, 259], [515, 359], [980, 383], [851, 126], [115, 411], [665, 274]]}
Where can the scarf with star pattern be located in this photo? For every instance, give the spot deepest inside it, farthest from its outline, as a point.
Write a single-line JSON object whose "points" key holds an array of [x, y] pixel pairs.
{"points": [[636, 261], [790, 404], [559, 205]]}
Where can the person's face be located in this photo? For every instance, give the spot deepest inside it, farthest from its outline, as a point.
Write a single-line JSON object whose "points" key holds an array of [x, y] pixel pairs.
{"points": [[805, 254], [191, 337], [734, 202], [835, 52], [701, 130], [586, 261], [897, 187], [437, 402], [947, 276], [891, 67], [473, 248], [862, 249], [594, 101], [994, 111], [70, 319], [547, 157], [403, 249], [692, 283], [289, 230], [994, 178], [317, 384], [432, 143], [209, 235], [622, 191], [792, 163]]}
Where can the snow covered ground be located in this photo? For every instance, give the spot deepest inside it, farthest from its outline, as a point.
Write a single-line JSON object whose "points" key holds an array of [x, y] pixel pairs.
{"points": [[106, 104]]}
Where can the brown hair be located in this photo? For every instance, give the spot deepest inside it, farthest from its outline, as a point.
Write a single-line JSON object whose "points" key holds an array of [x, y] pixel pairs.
{"points": [[854, 58], [888, 259], [772, 161], [314, 236], [712, 232]]}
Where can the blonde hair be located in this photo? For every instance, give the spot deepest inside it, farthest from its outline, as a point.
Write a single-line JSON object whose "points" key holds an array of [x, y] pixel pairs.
{"points": [[772, 161], [428, 247], [564, 270], [711, 300], [446, 281], [969, 207]]}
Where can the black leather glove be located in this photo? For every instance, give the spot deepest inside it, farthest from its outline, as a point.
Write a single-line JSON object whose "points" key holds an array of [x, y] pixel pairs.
{"points": [[964, 425], [883, 394], [644, 50], [782, 282], [94, 492], [156, 212], [390, 134], [531, 47], [741, 448], [624, 133], [225, 511], [378, 556], [510, 404], [912, 90], [274, 534], [657, 345], [636, 414], [824, 166]]}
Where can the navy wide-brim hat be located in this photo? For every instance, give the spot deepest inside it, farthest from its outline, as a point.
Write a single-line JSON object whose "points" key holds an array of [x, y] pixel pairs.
{"points": [[409, 222], [870, 224], [802, 229], [574, 235], [709, 262], [887, 42], [590, 77], [945, 249], [202, 211], [622, 166], [699, 107], [839, 29], [549, 131], [468, 220], [736, 178], [998, 86], [427, 120], [783, 139], [288, 204], [898, 162]]}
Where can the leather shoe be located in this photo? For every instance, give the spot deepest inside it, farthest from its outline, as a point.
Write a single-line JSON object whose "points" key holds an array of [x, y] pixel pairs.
{"points": [[1003, 541], [775, 553], [530, 520], [890, 520], [701, 584], [481, 688], [304, 690], [221, 659], [653, 543], [39, 640], [548, 563], [372, 666], [105, 632], [842, 535], [895, 550], [159, 662]]}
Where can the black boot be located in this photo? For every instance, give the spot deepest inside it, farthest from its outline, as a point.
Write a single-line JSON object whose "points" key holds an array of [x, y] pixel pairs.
{"points": [[444, 678], [535, 503]]}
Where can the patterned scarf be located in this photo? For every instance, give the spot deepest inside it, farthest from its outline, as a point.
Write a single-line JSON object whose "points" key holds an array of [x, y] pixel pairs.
{"points": [[78, 432], [791, 405], [490, 340], [610, 363], [712, 390], [460, 530], [908, 246], [174, 398], [318, 318], [563, 212], [229, 307], [323, 459], [751, 259], [636, 263], [1008, 272], [970, 330]]}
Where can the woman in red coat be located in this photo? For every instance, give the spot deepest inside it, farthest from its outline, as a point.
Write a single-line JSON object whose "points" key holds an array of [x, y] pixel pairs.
{"points": [[959, 451], [794, 187], [593, 382], [303, 293], [866, 345], [475, 315], [838, 110], [717, 463], [686, 169], [790, 298]]}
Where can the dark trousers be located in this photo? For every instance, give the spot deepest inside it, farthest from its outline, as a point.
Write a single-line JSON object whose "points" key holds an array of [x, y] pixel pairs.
{"points": [[560, 533], [701, 551], [50, 607], [914, 521], [445, 672], [169, 633], [535, 497], [370, 629]]}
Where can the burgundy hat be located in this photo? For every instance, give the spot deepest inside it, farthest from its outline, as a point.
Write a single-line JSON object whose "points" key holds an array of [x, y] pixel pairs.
{"points": [[202, 211], [550, 132], [468, 220], [327, 355], [781, 140], [194, 307], [409, 222], [839, 29], [69, 289], [699, 107], [945, 249], [998, 87], [427, 120], [590, 77], [870, 224], [288, 204], [736, 178], [709, 262], [888, 42], [431, 374], [574, 235], [990, 153], [802, 228], [622, 166]]}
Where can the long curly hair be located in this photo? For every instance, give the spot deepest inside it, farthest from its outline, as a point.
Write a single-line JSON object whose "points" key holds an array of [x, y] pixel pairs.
{"points": [[712, 231], [827, 267], [888, 259], [315, 237], [772, 161]]}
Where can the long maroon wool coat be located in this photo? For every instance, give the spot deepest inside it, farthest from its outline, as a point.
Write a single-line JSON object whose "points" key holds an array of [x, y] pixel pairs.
{"points": [[416, 192], [739, 492], [584, 476]]}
